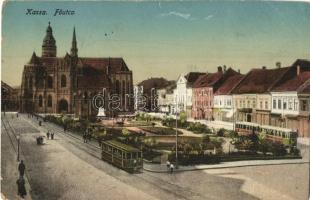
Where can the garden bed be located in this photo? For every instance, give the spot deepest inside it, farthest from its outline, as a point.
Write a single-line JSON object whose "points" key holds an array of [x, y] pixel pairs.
{"points": [[161, 130]]}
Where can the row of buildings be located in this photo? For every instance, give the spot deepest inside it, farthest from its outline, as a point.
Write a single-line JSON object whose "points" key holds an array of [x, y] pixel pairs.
{"points": [[277, 96]]}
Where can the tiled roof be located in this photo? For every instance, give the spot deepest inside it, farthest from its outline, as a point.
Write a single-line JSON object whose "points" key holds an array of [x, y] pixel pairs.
{"points": [[115, 64], [291, 81], [228, 84], [191, 77], [207, 80], [259, 80]]}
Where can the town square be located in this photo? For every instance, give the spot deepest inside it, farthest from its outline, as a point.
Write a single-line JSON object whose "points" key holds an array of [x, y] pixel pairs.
{"points": [[155, 100]]}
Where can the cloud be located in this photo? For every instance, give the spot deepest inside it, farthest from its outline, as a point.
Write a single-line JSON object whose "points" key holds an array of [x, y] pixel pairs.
{"points": [[186, 16], [208, 17]]}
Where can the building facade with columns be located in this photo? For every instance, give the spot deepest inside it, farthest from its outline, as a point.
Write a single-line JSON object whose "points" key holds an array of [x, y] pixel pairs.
{"points": [[52, 84]]}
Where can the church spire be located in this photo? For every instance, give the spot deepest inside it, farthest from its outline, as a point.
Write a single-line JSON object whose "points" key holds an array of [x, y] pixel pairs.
{"points": [[74, 49], [49, 43]]}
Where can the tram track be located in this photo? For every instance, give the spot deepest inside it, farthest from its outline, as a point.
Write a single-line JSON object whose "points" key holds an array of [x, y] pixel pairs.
{"points": [[149, 180]]}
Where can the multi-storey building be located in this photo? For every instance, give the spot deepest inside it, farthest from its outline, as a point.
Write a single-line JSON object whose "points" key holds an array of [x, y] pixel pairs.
{"points": [[183, 92], [166, 99], [291, 99], [251, 96], [223, 108], [52, 84]]}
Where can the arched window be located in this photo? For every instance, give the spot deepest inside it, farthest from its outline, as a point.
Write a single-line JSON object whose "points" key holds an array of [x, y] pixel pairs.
{"points": [[30, 82], [117, 87], [128, 87], [124, 87], [49, 101], [40, 101], [63, 81], [49, 82]]}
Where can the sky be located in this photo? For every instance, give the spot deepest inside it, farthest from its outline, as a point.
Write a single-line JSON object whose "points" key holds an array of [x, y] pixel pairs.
{"points": [[161, 39]]}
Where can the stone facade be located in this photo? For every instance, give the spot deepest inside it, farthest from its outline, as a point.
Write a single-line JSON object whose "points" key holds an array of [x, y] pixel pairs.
{"points": [[68, 84]]}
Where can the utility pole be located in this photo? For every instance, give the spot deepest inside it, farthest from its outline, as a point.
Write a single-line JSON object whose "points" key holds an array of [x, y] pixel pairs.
{"points": [[176, 134]]}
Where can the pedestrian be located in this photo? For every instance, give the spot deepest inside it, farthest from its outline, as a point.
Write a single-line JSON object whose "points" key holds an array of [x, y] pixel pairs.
{"points": [[168, 164], [171, 168], [21, 190], [21, 168], [84, 138], [48, 135], [52, 136]]}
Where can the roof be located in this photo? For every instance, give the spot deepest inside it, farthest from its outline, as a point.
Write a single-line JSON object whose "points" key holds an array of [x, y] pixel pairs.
{"points": [[207, 80], [291, 81], [259, 80], [114, 64], [191, 77], [228, 84], [121, 145]]}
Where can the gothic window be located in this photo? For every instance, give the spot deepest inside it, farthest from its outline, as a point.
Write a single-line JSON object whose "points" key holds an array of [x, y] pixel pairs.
{"points": [[63, 81], [124, 87], [49, 101], [117, 87], [128, 87], [30, 82], [49, 82], [40, 101]]}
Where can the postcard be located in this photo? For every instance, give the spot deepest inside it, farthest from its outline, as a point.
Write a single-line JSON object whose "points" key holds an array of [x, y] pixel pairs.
{"points": [[163, 100]]}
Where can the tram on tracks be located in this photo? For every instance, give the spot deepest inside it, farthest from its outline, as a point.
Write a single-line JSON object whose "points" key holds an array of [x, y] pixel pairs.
{"points": [[272, 133], [122, 155]]}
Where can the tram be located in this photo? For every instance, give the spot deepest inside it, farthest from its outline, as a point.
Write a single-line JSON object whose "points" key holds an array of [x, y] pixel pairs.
{"points": [[272, 132], [122, 155]]}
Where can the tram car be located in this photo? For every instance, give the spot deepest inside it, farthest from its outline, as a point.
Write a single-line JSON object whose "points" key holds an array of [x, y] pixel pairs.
{"points": [[273, 133], [122, 155]]}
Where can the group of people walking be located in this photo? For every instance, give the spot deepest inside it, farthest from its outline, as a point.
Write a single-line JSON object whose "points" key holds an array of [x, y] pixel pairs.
{"points": [[21, 189], [48, 134]]}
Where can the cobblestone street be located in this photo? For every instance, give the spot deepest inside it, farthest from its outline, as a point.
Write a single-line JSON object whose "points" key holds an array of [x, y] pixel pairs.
{"points": [[67, 168]]}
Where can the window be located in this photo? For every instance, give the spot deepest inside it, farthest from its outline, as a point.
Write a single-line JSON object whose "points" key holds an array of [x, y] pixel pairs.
{"points": [[290, 104], [279, 104], [295, 104], [63, 81], [30, 82], [49, 82], [284, 105], [266, 104], [304, 105], [49, 101], [274, 104], [253, 104], [117, 87], [261, 105], [40, 101]]}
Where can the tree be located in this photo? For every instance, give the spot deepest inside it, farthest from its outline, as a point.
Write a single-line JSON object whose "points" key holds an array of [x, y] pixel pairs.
{"points": [[183, 118], [187, 148]]}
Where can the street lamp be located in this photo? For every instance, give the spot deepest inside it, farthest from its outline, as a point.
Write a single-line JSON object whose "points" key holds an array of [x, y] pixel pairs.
{"points": [[176, 134], [18, 139]]}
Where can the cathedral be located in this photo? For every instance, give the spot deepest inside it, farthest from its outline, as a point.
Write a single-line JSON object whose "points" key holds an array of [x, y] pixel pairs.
{"points": [[68, 84]]}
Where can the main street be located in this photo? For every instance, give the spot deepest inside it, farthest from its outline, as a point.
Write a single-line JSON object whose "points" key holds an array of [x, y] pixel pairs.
{"points": [[67, 168]]}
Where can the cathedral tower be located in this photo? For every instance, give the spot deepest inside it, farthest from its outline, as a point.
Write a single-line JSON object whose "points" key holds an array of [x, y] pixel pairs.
{"points": [[74, 49], [49, 48]]}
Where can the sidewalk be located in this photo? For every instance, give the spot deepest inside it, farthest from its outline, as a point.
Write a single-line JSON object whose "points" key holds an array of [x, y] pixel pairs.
{"points": [[162, 168]]}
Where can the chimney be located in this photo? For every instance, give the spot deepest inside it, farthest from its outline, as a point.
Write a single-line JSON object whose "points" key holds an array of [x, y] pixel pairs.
{"points": [[298, 70], [278, 64], [224, 68], [219, 69], [264, 67]]}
